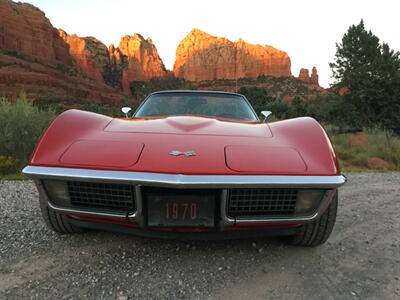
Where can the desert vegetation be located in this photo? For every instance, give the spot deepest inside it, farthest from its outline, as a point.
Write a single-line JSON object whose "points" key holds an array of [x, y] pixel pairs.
{"points": [[21, 126]]}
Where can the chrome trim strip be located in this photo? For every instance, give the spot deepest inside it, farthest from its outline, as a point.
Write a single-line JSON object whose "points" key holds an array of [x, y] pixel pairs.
{"points": [[137, 215], [185, 181], [225, 220], [84, 211]]}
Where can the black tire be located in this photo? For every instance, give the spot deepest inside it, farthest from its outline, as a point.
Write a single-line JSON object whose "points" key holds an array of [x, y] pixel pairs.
{"points": [[58, 222], [317, 232]]}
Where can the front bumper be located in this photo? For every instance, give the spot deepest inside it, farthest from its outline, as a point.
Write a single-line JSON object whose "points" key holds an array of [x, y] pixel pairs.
{"points": [[222, 182]]}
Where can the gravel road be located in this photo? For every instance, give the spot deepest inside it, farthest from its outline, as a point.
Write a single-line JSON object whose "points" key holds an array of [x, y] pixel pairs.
{"points": [[361, 260]]}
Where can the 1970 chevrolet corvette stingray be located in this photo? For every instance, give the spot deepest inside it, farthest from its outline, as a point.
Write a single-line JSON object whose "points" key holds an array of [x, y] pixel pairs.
{"points": [[188, 164]]}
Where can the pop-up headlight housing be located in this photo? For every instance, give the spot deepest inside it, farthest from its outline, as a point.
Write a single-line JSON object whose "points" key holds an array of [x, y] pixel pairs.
{"points": [[308, 201], [58, 192]]}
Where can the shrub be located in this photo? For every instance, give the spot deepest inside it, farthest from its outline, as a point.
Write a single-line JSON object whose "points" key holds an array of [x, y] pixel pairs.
{"points": [[66, 70], [141, 89], [112, 75], [22, 125], [7, 165], [258, 97], [335, 110], [382, 144]]}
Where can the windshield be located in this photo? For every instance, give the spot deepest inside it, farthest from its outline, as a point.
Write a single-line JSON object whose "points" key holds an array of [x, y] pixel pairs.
{"points": [[216, 105]]}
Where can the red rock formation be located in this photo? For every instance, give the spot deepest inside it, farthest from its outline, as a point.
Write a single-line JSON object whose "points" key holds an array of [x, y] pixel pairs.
{"points": [[377, 163], [201, 56], [26, 30], [314, 76], [141, 59], [305, 76], [89, 54], [46, 82], [36, 59]]}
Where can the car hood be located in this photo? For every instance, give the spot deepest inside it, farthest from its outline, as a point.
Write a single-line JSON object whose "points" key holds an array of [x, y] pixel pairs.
{"points": [[217, 147], [189, 125]]}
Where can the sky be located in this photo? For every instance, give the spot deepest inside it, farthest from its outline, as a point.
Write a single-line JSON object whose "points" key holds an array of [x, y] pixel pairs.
{"points": [[307, 30]]}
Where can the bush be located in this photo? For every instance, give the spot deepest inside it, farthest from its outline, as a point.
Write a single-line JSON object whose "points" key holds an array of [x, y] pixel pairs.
{"points": [[22, 125], [141, 89], [60, 105], [381, 144], [66, 70], [335, 110], [7, 165], [258, 97]]}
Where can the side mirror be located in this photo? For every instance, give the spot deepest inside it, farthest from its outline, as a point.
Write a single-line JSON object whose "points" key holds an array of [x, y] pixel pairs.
{"points": [[266, 114], [126, 110]]}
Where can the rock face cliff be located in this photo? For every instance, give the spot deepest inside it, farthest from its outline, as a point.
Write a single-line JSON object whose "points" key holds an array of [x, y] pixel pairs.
{"points": [[139, 58], [48, 63], [88, 54], [134, 59], [305, 76], [201, 56], [24, 29]]}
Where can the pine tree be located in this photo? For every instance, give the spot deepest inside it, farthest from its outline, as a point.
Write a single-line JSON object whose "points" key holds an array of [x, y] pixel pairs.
{"points": [[371, 72]]}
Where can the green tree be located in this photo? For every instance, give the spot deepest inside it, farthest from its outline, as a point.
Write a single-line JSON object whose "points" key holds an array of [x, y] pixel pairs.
{"points": [[258, 97], [370, 71], [297, 108]]}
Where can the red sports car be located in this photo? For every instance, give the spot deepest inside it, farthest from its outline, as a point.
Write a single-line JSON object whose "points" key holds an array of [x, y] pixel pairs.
{"points": [[188, 164]]}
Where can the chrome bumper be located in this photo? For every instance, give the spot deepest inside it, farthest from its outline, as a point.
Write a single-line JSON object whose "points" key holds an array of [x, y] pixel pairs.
{"points": [[139, 179]]}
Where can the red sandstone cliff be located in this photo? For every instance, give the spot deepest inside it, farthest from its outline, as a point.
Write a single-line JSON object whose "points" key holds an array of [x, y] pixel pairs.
{"points": [[201, 56], [141, 59], [88, 54], [26, 30], [49, 63], [307, 78]]}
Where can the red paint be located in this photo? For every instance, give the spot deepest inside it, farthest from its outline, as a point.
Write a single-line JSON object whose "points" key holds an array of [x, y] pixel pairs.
{"points": [[207, 137], [109, 220], [261, 159], [102, 153]]}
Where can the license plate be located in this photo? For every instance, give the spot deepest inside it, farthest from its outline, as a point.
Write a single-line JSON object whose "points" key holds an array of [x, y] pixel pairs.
{"points": [[180, 208]]}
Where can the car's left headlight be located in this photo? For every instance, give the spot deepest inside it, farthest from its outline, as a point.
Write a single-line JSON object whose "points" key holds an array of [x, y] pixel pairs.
{"points": [[308, 200]]}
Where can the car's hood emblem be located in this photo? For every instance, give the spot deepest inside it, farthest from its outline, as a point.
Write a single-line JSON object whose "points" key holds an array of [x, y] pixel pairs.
{"points": [[186, 153]]}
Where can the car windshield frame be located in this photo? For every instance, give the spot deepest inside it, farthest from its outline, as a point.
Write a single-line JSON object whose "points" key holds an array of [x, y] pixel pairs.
{"points": [[255, 119]]}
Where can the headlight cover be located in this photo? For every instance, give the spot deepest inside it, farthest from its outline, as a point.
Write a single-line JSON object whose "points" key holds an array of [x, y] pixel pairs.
{"points": [[308, 200], [58, 192]]}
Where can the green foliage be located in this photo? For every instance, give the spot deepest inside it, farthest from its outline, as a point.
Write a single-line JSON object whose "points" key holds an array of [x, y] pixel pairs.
{"points": [[59, 105], [141, 89], [382, 144], [371, 72], [335, 110], [7, 165], [112, 75], [22, 125], [66, 70], [258, 97], [279, 109], [12, 53]]}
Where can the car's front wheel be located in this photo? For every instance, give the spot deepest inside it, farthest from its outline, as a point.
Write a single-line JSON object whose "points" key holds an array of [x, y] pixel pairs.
{"points": [[58, 222], [317, 232]]}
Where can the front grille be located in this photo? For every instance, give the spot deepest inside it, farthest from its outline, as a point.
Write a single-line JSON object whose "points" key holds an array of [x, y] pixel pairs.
{"points": [[108, 196], [261, 202]]}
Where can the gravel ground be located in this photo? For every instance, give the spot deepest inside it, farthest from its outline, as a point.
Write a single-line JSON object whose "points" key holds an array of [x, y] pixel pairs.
{"points": [[361, 259]]}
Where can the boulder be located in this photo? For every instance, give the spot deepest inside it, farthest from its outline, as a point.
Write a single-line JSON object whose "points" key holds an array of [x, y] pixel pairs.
{"points": [[377, 163]]}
